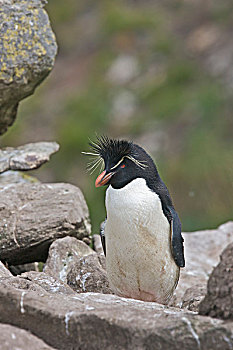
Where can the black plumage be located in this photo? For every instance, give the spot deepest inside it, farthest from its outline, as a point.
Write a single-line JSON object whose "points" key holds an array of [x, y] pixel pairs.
{"points": [[139, 165]]}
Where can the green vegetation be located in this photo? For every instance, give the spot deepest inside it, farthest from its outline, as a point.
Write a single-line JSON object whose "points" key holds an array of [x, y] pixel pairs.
{"points": [[120, 18], [173, 93]]}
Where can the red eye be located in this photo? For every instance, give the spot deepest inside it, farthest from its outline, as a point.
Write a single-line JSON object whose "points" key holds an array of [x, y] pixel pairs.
{"points": [[123, 166]]}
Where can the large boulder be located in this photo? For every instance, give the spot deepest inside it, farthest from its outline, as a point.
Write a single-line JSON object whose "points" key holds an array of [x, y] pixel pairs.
{"points": [[218, 301], [34, 215], [28, 49], [202, 250], [14, 338], [97, 321]]}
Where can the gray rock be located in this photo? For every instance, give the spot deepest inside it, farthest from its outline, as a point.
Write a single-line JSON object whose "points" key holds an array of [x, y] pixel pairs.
{"points": [[14, 338], [75, 263], [63, 254], [202, 251], [48, 283], [218, 301], [34, 215], [192, 297], [10, 176], [97, 244], [38, 282], [19, 283], [28, 49], [4, 272], [97, 321], [89, 275], [26, 157]]}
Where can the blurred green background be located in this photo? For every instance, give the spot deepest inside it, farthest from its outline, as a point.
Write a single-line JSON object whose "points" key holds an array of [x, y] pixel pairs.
{"points": [[155, 72]]}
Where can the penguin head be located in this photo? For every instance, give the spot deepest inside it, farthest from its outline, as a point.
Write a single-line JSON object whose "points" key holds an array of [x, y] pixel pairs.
{"points": [[123, 161]]}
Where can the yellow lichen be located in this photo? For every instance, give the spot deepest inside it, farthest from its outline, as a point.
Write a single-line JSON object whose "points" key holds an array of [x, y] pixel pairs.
{"points": [[19, 72], [20, 39]]}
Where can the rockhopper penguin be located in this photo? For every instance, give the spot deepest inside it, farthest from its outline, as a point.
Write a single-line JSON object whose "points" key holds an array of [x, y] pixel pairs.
{"points": [[142, 232]]}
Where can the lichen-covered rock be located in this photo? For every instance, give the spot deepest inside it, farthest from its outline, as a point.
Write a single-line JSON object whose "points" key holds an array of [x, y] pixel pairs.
{"points": [[28, 49], [26, 157], [34, 215], [63, 254], [218, 301]]}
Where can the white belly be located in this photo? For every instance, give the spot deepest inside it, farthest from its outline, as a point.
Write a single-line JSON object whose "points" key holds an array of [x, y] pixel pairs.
{"points": [[138, 259]]}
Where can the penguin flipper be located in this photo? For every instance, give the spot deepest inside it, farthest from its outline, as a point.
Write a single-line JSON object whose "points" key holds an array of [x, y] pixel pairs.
{"points": [[176, 239], [102, 236]]}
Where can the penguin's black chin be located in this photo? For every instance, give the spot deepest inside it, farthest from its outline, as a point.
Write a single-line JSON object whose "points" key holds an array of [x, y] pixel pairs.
{"points": [[103, 178]]}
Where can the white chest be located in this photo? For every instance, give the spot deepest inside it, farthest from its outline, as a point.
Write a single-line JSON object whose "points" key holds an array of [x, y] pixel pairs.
{"points": [[135, 206], [139, 261]]}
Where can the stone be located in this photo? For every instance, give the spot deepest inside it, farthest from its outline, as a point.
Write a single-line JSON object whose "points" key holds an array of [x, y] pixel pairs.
{"points": [[103, 321], [192, 297], [19, 283], [87, 240], [4, 272], [63, 254], [34, 215], [48, 283], [97, 244], [202, 250], [26, 157], [10, 176], [28, 49], [89, 275], [14, 338], [37, 281], [218, 301]]}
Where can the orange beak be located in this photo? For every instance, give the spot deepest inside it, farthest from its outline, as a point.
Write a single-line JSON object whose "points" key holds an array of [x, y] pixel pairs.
{"points": [[102, 179]]}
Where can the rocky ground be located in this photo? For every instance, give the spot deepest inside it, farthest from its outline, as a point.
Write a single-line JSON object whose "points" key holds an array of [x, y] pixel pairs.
{"points": [[54, 291], [70, 305]]}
